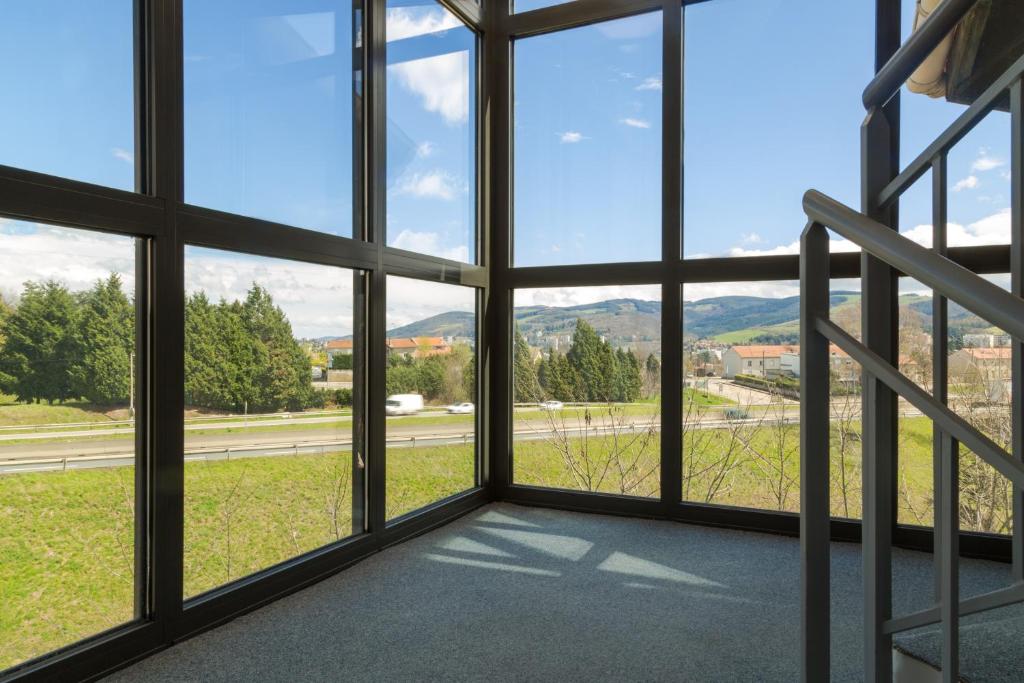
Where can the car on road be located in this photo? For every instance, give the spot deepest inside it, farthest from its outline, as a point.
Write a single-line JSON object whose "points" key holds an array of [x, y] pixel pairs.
{"points": [[460, 408], [403, 404], [551, 405]]}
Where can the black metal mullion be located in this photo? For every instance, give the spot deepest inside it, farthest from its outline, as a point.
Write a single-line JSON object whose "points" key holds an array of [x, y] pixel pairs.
{"points": [[1017, 289], [375, 131], [671, 253], [164, 158]]}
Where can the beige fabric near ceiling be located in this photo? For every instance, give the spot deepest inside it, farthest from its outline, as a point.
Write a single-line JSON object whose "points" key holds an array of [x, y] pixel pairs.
{"points": [[930, 78]]}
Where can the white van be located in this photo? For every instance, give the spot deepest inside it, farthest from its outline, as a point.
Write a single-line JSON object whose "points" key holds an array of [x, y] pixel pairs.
{"points": [[403, 404]]}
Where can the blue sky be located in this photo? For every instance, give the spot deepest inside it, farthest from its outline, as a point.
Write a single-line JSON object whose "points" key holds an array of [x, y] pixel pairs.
{"points": [[772, 108]]}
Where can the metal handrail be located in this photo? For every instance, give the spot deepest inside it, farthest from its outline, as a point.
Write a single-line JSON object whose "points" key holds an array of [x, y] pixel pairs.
{"points": [[914, 51], [945, 277], [941, 415]]}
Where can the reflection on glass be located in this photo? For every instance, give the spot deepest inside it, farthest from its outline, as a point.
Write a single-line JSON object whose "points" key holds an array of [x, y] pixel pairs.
{"points": [[269, 375], [431, 129], [67, 70], [269, 101], [67, 449], [431, 393], [587, 389], [588, 144]]}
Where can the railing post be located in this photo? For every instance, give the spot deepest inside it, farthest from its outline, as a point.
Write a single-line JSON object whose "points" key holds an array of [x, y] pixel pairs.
{"points": [[949, 600], [940, 353], [879, 325], [814, 456]]}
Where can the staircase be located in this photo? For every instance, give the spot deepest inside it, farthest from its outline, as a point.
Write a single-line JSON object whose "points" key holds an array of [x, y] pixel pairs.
{"points": [[885, 256]]}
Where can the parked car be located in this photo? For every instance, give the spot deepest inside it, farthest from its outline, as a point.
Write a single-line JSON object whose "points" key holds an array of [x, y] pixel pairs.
{"points": [[461, 408], [551, 405], [403, 404]]}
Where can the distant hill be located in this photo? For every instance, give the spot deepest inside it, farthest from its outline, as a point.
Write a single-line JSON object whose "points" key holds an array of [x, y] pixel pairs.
{"points": [[632, 322], [450, 324]]}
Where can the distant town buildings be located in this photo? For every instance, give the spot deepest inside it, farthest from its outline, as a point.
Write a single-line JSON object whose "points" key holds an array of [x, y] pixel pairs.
{"points": [[416, 347], [760, 360], [987, 341]]}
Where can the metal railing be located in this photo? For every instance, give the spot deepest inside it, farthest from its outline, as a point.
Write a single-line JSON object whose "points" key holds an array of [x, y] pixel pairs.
{"points": [[887, 255]]}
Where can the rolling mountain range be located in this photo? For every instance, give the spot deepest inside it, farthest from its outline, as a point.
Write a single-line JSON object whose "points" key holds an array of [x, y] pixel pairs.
{"points": [[728, 319]]}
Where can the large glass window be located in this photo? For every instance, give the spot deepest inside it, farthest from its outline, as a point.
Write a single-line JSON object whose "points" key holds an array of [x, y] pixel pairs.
{"points": [[741, 395], [431, 392], [68, 105], [431, 131], [587, 389], [588, 144], [67, 425], [269, 101], [757, 137], [270, 367]]}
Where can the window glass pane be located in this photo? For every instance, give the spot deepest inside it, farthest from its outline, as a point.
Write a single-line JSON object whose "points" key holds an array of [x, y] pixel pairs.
{"points": [[527, 5], [764, 123], [980, 387], [431, 129], [586, 389], [741, 408], [432, 392], [68, 105], [588, 144], [269, 100], [67, 448], [269, 375]]}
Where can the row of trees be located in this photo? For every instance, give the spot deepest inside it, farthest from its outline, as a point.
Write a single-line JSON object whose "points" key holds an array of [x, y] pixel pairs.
{"points": [[57, 345], [592, 370], [242, 355], [440, 378]]}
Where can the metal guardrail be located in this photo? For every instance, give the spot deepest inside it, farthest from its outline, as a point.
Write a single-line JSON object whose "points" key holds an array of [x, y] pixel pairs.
{"points": [[882, 187]]}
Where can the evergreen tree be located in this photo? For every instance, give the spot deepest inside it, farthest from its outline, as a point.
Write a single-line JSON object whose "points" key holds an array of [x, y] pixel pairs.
{"points": [[103, 343], [285, 381], [593, 362], [652, 375], [526, 387], [38, 353]]}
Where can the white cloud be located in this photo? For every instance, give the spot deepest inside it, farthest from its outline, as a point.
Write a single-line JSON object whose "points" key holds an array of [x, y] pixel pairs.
{"points": [[575, 296], [316, 299], [570, 137], [411, 300], [986, 162], [635, 123], [123, 154], [768, 290], [429, 243], [76, 258], [425, 149], [441, 82], [751, 238], [650, 83], [431, 185], [408, 23], [968, 183], [992, 229]]}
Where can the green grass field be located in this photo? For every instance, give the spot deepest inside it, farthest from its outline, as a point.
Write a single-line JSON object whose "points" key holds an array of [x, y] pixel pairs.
{"points": [[66, 547]]}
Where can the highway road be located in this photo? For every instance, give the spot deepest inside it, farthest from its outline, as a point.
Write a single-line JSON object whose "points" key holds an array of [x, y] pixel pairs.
{"points": [[402, 432]]}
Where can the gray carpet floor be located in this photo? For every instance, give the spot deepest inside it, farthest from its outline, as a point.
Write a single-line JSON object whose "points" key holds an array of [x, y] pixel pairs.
{"points": [[512, 593]]}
